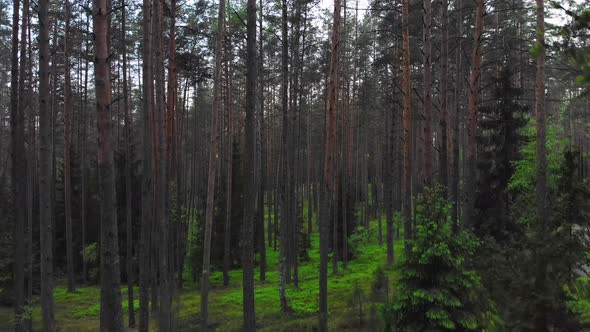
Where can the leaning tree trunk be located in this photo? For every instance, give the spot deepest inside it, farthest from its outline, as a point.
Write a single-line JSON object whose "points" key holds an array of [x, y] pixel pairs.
{"points": [[111, 314], [329, 155], [213, 155], [45, 177]]}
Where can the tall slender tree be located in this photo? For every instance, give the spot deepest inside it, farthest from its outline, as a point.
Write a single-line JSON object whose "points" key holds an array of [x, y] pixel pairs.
{"points": [[444, 98], [213, 155], [283, 192], [329, 160], [146, 184], [161, 175], [471, 155], [18, 174], [407, 125], [45, 177], [128, 161], [427, 34], [111, 314], [68, 113], [250, 173]]}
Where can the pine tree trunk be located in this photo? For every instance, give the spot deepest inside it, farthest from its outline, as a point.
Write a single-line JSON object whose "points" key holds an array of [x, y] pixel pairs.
{"points": [[111, 315], [146, 184], [54, 112], [407, 126], [250, 173], [454, 173], [427, 92], [329, 155], [227, 262], [83, 156], [161, 193], [213, 155], [261, 156], [25, 94], [443, 154], [68, 152], [172, 176], [18, 174], [471, 155], [283, 245], [45, 165], [128, 188]]}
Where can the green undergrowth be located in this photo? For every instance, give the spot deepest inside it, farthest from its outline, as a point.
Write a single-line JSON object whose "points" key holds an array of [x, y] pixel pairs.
{"points": [[80, 311]]}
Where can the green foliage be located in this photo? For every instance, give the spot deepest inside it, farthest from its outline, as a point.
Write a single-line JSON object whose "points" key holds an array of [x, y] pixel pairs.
{"points": [[380, 286], [498, 148], [359, 236], [560, 246], [536, 49], [90, 254], [437, 290], [6, 261], [579, 293], [195, 246], [356, 301], [524, 177], [571, 33]]}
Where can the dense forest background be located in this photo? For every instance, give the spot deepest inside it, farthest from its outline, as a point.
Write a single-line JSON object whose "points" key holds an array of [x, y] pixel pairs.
{"points": [[397, 165]]}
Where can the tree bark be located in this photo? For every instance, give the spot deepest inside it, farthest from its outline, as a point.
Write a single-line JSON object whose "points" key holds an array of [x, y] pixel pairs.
{"points": [[454, 173], [227, 261], [18, 174], [161, 193], [45, 165], [111, 315], [128, 188], [146, 185], [261, 156], [470, 172], [250, 173], [68, 152], [26, 69], [213, 152], [83, 156], [407, 126], [443, 154], [329, 166], [283, 192], [427, 92]]}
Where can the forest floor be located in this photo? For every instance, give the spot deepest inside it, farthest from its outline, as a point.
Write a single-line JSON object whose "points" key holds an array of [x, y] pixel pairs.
{"points": [[80, 311]]}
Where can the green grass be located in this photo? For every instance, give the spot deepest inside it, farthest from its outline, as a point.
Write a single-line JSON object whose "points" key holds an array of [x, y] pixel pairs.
{"points": [[80, 311]]}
